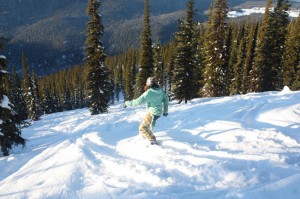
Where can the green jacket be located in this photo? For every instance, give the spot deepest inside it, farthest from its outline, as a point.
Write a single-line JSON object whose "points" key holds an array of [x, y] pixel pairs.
{"points": [[155, 99]]}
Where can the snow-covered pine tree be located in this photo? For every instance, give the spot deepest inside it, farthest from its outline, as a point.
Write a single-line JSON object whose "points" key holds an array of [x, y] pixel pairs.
{"points": [[30, 92], [98, 85], [214, 72], [47, 102], [36, 94], [10, 121], [146, 57], [18, 96], [185, 82]]}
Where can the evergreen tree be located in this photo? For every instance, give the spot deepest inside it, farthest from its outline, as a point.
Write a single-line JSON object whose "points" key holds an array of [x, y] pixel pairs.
{"points": [[10, 121], [36, 95], [260, 70], [118, 76], [279, 20], [170, 72], [159, 70], [47, 102], [251, 45], [232, 40], [56, 100], [199, 56], [214, 72], [228, 61], [129, 74], [291, 57], [98, 86], [30, 92], [236, 86], [146, 59], [18, 96], [268, 59], [184, 81]]}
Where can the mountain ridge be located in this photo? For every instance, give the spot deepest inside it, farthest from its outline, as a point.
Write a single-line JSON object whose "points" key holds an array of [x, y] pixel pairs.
{"points": [[52, 34]]}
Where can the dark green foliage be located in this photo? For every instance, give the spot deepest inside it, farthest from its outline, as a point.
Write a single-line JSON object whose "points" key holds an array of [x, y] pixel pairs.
{"points": [[170, 74], [228, 59], [278, 23], [130, 71], [268, 57], [30, 92], [10, 121], [146, 58], [291, 58], [251, 45], [184, 80], [18, 96], [238, 66], [199, 57], [215, 62], [98, 86], [159, 69]]}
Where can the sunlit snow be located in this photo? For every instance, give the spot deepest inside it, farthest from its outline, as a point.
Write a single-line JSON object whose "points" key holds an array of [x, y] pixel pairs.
{"points": [[243, 146]]}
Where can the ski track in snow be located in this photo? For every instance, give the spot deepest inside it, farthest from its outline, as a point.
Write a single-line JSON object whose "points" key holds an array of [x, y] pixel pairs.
{"points": [[243, 146]]}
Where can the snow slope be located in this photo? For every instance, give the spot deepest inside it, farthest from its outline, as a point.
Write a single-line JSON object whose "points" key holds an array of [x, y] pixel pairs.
{"points": [[243, 146], [257, 10]]}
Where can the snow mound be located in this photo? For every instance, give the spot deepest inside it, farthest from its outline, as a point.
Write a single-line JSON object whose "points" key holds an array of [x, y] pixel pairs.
{"points": [[242, 146]]}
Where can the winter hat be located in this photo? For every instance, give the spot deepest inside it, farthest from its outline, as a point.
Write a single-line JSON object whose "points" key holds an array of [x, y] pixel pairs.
{"points": [[151, 81]]}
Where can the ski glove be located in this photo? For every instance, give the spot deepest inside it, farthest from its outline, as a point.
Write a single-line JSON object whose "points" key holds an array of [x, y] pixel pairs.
{"points": [[165, 114], [125, 106]]}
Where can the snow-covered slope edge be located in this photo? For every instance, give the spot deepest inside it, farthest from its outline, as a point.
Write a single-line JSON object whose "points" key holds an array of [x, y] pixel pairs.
{"points": [[243, 146]]}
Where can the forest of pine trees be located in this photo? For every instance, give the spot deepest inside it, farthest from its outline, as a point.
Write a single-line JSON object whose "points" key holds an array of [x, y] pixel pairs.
{"points": [[218, 57]]}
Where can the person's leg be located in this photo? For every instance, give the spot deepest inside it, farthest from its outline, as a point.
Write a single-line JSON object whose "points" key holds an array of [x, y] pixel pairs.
{"points": [[144, 128], [153, 123]]}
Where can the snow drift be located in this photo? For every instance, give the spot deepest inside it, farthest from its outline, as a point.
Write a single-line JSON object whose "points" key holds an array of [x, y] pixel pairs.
{"points": [[243, 146]]}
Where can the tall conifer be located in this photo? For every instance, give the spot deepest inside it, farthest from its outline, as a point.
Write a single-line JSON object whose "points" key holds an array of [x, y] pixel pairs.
{"points": [[30, 92], [279, 20], [18, 96], [129, 74], [98, 86], [146, 59], [251, 45], [214, 72], [291, 57], [159, 70], [185, 65], [199, 56], [238, 67], [267, 69], [10, 121]]}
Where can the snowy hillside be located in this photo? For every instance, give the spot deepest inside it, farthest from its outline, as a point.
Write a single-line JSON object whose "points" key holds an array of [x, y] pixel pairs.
{"points": [[244, 146], [257, 10]]}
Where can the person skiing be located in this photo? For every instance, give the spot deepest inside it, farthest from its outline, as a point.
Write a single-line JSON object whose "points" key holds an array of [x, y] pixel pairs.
{"points": [[157, 104]]}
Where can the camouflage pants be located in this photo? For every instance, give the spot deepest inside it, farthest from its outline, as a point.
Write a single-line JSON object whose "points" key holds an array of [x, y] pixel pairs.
{"points": [[146, 125]]}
